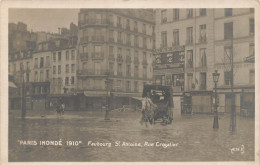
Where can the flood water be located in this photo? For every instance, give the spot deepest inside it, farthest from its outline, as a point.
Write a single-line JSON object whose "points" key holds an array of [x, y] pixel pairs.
{"points": [[190, 138]]}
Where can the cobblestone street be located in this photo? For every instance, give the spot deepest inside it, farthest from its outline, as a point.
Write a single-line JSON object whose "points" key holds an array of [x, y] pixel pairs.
{"points": [[193, 137]]}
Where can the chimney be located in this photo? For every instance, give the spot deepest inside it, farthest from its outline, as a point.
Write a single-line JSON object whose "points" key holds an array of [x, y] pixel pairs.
{"points": [[59, 30]]}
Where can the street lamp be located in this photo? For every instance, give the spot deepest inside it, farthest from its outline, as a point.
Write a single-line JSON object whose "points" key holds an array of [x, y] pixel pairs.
{"points": [[23, 93], [215, 79], [107, 82]]}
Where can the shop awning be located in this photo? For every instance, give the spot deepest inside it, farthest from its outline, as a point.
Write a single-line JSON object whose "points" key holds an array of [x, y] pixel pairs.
{"points": [[11, 85]]}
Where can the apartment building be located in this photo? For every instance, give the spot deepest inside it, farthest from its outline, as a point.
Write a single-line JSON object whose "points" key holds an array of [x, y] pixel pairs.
{"points": [[234, 36], [20, 69], [114, 45], [184, 51], [64, 78]]}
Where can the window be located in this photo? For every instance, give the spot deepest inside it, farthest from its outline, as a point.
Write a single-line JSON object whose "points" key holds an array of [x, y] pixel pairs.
{"points": [[203, 80], [119, 37], [111, 21], [164, 39], [203, 57], [227, 77], [128, 24], [72, 54], [252, 49], [119, 84], [128, 70], [189, 81], [119, 69], [21, 66], [189, 13], [111, 68], [135, 27], [136, 86], [67, 55], [111, 50], [35, 76], [41, 62], [227, 54], [228, 30], [203, 34], [119, 22], [164, 16], [36, 63], [252, 26], [54, 57], [144, 43], [47, 74], [111, 35], [128, 39], [59, 56], [144, 28], [119, 52], [144, 56], [97, 68], [189, 32], [48, 61], [59, 69], [14, 67], [67, 81], [203, 12], [67, 68], [85, 65], [72, 80], [54, 69], [175, 14], [98, 18], [97, 50], [144, 72], [190, 58], [228, 12], [27, 77], [252, 77], [136, 71], [128, 86], [72, 68], [176, 37], [136, 41]]}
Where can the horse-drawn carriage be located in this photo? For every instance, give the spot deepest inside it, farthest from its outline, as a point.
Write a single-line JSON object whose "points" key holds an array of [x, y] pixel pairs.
{"points": [[161, 97]]}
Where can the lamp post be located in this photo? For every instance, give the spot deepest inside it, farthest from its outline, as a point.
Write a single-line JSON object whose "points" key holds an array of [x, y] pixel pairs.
{"points": [[215, 79], [23, 95], [107, 82]]}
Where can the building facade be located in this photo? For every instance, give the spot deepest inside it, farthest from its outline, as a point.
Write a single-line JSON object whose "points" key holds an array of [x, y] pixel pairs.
{"points": [[207, 37], [234, 36], [184, 56], [114, 46]]}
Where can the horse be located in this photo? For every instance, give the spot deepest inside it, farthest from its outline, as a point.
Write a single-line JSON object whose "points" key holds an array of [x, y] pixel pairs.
{"points": [[148, 111]]}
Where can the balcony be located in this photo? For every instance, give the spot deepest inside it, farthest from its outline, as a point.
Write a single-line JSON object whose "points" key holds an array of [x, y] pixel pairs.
{"points": [[119, 59], [97, 56], [98, 39], [83, 40], [128, 59], [128, 43], [94, 22], [83, 56], [92, 72], [111, 57]]}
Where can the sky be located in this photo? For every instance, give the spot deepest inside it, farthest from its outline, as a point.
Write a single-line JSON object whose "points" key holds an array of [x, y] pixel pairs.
{"points": [[48, 20]]}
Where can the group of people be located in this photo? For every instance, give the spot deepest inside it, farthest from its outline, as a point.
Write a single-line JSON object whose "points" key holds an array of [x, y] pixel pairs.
{"points": [[59, 106]]}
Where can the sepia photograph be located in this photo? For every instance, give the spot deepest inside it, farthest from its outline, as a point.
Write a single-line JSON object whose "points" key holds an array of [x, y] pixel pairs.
{"points": [[131, 84]]}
